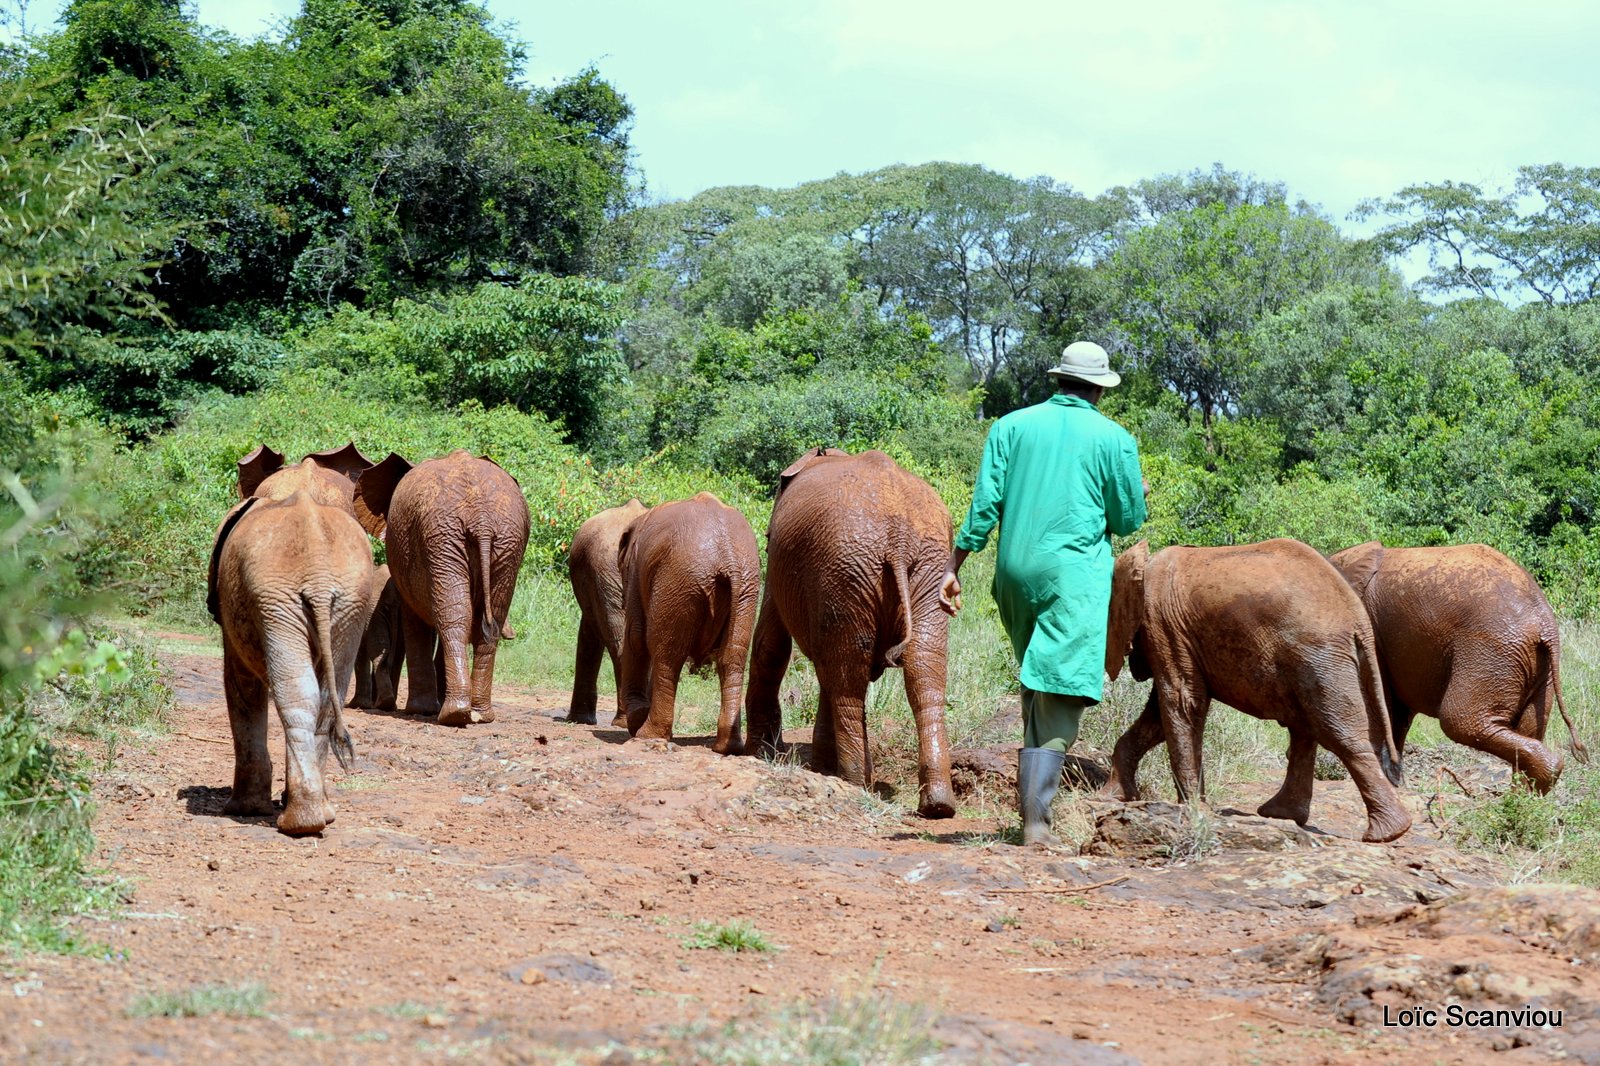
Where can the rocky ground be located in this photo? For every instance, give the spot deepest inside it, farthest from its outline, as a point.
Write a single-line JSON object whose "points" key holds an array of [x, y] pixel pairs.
{"points": [[530, 890]]}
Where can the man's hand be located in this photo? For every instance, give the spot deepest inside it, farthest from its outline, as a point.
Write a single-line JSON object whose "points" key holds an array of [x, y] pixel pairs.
{"points": [[950, 594], [1146, 486]]}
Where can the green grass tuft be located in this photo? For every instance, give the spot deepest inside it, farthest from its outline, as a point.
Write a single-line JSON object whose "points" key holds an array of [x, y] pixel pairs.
{"points": [[737, 935], [869, 1029], [204, 1001]]}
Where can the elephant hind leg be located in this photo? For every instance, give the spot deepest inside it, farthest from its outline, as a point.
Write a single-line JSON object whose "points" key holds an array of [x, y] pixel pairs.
{"points": [[924, 668], [1340, 726], [1293, 800], [771, 648], [654, 721], [422, 684], [824, 736], [846, 699], [1183, 720], [1484, 722], [586, 674], [1131, 747], [247, 718]]}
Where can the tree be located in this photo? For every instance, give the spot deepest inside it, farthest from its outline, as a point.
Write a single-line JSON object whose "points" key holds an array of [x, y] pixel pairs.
{"points": [[1488, 245], [1190, 288]]}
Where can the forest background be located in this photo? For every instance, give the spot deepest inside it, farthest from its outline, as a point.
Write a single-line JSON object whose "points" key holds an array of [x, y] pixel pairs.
{"points": [[369, 228]]}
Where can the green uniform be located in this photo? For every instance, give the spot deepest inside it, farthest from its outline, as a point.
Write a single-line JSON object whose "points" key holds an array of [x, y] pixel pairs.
{"points": [[1059, 478]]}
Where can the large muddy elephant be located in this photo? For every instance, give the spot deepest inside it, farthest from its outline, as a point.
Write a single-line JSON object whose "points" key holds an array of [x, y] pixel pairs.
{"points": [[455, 529], [1465, 635], [597, 584], [856, 551], [383, 647], [1271, 629], [288, 583], [691, 576], [330, 476]]}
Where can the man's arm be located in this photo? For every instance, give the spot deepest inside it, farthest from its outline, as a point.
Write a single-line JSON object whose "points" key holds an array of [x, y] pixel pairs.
{"points": [[988, 494], [1125, 495], [950, 589]]}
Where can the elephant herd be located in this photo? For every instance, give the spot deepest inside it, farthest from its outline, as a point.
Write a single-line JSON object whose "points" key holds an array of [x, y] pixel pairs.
{"points": [[1342, 650]]}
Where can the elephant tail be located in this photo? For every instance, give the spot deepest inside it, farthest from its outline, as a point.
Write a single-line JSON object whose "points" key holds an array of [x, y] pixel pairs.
{"points": [[1379, 714], [900, 578], [330, 712], [1550, 654], [491, 627]]}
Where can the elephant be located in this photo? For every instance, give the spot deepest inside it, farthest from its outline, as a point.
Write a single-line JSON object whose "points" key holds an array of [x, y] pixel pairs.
{"points": [[329, 476], [1272, 630], [597, 583], [455, 528], [1465, 635], [856, 552], [383, 647], [288, 583], [691, 574]]}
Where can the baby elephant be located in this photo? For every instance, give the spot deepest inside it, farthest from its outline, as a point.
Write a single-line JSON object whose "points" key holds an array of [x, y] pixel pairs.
{"points": [[288, 583], [597, 585], [383, 647], [691, 574], [1271, 629], [1466, 635]]}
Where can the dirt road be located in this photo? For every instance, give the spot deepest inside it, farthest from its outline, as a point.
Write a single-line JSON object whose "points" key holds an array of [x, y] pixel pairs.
{"points": [[530, 891]]}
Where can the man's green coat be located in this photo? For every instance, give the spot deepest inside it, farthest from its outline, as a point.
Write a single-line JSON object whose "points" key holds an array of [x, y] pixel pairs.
{"points": [[1059, 478]]}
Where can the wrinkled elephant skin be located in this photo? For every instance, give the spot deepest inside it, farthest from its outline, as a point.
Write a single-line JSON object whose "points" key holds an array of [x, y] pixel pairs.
{"points": [[455, 529], [1271, 629], [596, 576], [856, 551], [691, 574], [1465, 635], [288, 583]]}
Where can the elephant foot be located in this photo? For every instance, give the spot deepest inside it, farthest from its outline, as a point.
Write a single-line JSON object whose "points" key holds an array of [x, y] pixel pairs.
{"points": [[1386, 825], [937, 803], [424, 707], [302, 819], [1114, 789], [1297, 812], [579, 718], [620, 721], [248, 806], [733, 746], [462, 716]]}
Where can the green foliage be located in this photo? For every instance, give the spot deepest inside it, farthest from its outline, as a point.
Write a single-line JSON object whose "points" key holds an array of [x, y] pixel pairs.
{"points": [[1520, 818], [1487, 244], [545, 345], [737, 935], [75, 257], [372, 150], [53, 672], [204, 1001]]}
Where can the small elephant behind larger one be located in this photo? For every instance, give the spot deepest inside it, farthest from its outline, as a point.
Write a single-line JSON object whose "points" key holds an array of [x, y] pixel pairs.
{"points": [[691, 574], [1465, 635], [1271, 629], [329, 476], [455, 529], [383, 647], [596, 576], [856, 551], [288, 583]]}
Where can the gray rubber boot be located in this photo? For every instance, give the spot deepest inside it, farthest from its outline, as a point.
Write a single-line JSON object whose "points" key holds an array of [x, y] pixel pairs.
{"points": [[1038, 775]]}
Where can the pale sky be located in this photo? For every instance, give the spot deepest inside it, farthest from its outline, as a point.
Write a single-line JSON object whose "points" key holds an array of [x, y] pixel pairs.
{"points": [[1340, 100]]}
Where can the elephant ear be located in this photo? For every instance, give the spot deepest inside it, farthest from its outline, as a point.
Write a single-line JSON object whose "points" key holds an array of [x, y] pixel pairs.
{"points": [[1359, 565], [256, 468], [231, 519], [374, 489], [497, 466], [805, 460], [1126, 616], [347, 461]]}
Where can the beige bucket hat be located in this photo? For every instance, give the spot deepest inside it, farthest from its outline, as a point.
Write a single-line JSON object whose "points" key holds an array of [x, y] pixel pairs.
{"points": [[1086, 361]]}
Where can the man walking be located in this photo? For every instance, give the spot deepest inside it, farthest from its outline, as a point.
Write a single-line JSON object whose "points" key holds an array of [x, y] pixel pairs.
{"points": [[1059, 478]]}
